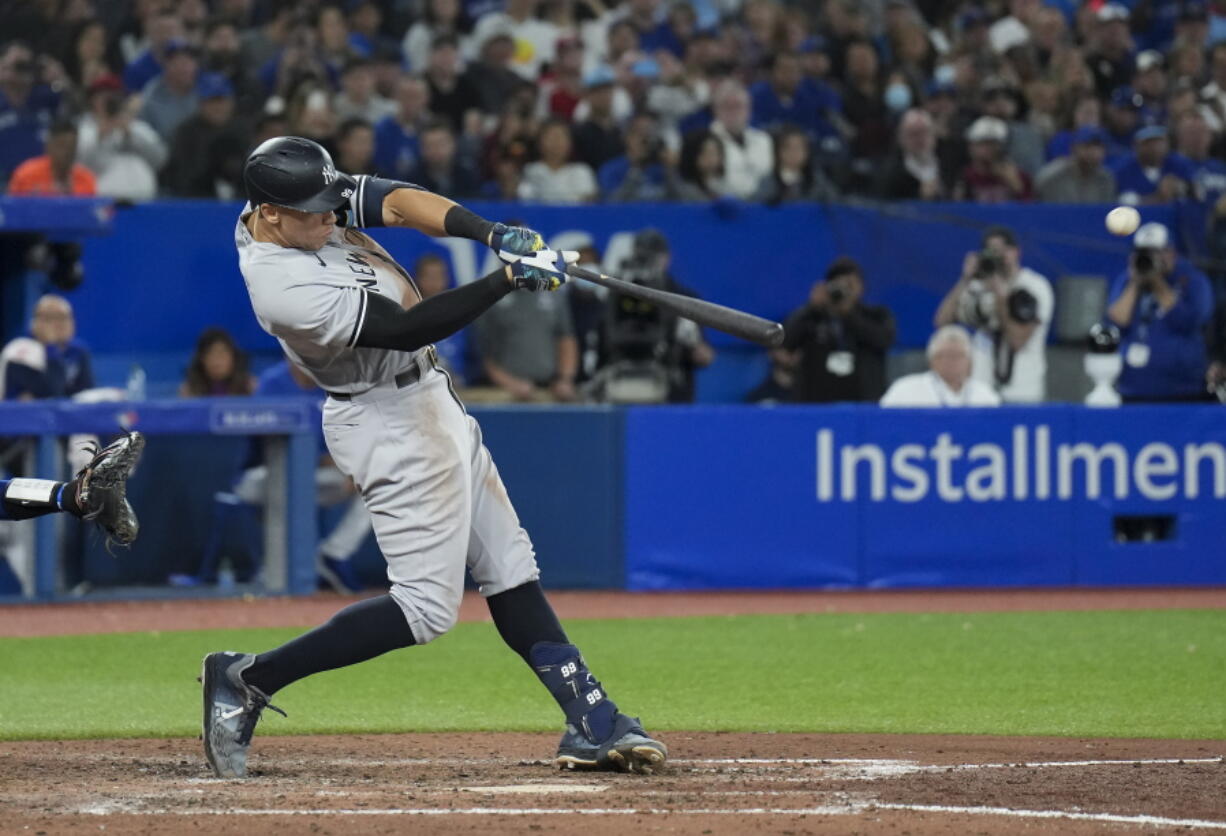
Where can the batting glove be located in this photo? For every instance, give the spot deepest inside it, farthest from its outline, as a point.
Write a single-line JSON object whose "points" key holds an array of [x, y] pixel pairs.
{"points": [[514, 242], [543, 270]]}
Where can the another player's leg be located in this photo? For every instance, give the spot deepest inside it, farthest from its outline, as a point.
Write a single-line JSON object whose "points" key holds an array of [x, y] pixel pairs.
{"points": [[334, 562], [98, 492], [501, 560]]}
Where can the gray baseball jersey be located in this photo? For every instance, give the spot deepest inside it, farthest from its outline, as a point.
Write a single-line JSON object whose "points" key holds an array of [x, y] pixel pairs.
{"points": [[436, 500], [314, 303]]}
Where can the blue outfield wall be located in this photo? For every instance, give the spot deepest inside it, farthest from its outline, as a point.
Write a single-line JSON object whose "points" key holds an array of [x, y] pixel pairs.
{"points": [[728, 497], [725, 497]]}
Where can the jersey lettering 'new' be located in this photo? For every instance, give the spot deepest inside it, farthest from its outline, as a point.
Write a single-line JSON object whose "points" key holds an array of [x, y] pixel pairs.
{"points": [[314, 303]]}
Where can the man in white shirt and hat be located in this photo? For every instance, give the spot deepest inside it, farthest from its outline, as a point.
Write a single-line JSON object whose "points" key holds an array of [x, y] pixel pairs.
{"points": [[948, 381]]}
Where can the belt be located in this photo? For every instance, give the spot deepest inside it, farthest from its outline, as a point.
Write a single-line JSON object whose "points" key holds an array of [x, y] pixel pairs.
{"points": [[405, 378]]}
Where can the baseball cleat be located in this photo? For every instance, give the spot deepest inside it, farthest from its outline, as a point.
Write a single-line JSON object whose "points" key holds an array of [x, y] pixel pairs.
{"points": [[231, 710], [627, 749], [102, 487]]}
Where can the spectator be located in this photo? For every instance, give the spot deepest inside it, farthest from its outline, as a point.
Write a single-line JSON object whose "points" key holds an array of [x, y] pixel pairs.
{"points": [[914, 170], [948, 381], [643, 173], [554, 178], [561, 88], [355, 147], [863, 102], [1087, 113], [365, 28], [1110, 48], [441, 18], [1024, 145], [990, 176], [1121, 119], [701, 168], [528, 348], [681, 92], [164, 33], [218, 367], [1009, 307], [124, 152], [56, 172], [440, 170], [1080, 177], [492, 74], [261, 45], [1149, 82], [452, 95], [206, 159], [776, 387], [27, 107], [597, 136], [332, 44], [1206, 173], [1161, 304], [396, 137], [841, 341], [783, 99], [749, 154], [358, 98], [674, 33], [1152, 174], [91, 56], [432, 277], [533, 40], [170, 98], [795, 176], [223, 55], [1215, 376], [51, 362], [1213, 94]]}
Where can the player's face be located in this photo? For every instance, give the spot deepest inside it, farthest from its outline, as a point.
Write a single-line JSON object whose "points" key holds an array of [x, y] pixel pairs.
{"points": [[304, 230]]}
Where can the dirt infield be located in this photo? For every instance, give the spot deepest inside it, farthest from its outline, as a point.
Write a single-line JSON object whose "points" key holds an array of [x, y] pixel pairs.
{"points": [[715, 784], [718, 783]]}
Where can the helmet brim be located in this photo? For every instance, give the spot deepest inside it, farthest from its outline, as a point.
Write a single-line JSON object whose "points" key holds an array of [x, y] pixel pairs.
{"points": [[333, 197]]}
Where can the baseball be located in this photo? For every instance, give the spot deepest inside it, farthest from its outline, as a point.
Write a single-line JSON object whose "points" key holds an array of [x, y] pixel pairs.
{"points": [[1123, 220]]}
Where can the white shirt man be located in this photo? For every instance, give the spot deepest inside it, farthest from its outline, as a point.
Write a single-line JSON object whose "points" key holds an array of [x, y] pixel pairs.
{"points": [[1010, 312], [749, 153], [948, 382]]}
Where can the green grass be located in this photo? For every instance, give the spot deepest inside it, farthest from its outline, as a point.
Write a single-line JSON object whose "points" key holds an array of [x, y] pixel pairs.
{"points": [[1109, 674]]}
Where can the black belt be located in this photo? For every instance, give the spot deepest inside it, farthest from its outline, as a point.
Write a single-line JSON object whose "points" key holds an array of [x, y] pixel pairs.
{"points": [[405, 378]]}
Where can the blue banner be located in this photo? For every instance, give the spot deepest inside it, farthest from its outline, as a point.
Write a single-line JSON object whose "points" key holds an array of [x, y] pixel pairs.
{"points": [[859, 496]]}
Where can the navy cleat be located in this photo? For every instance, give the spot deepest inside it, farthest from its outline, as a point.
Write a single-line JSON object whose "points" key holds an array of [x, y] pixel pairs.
{"points": [[598, 736], [627, 749], [231, 710]]}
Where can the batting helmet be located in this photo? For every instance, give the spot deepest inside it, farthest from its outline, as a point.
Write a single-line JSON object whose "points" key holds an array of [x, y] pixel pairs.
{"points": [[296, 173]]}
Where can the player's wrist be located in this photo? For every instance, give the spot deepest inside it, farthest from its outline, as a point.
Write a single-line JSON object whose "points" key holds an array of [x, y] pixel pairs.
{"points": [[464, 223]]}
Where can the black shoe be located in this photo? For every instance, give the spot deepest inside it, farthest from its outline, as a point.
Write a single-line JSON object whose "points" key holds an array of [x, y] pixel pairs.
{"points": [[231, 710], [627, 749]]}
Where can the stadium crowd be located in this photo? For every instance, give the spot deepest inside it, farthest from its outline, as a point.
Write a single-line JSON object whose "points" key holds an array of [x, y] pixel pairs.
{"points": [[599, 100]]}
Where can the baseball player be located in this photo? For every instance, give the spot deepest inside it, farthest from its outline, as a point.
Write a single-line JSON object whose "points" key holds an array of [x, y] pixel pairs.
{"points": [[98, 492], [352, 318]]}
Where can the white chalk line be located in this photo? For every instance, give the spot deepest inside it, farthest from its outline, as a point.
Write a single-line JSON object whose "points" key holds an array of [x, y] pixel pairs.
{"points": [[853, 808]]}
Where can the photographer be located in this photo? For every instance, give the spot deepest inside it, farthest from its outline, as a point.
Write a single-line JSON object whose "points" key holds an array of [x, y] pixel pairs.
{"points": [[650, 354], [1161, 304], [644, 173], [1009, 307], [842, 342]]}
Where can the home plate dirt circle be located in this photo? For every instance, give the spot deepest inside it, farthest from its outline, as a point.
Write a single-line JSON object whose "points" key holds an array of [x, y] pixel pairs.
{"points": [[716, 783]]}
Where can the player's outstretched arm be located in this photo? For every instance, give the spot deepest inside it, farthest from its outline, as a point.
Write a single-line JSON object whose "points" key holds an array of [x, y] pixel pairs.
{"points": [[391, 203], [384, 324]]}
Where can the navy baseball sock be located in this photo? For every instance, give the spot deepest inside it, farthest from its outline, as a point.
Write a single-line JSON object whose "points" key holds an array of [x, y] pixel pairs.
{"points": [[528, 625], [23, 499], [524, 617], [359, 632]]}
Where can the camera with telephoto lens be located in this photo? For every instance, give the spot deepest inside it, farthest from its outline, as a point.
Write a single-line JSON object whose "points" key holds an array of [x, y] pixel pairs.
{"points": [[836, 294], [987, 264], [1144, 260]]}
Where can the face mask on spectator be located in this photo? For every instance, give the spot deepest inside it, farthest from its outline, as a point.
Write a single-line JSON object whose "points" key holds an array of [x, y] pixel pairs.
{"points": [[898, 97]]}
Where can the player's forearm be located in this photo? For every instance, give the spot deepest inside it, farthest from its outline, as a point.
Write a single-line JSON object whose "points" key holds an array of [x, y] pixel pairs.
{"points": [[434, 215], [567, 358], [389, 326]]}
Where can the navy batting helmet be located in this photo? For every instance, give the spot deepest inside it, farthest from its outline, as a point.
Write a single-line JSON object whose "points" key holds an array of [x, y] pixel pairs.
{"points": [[296, 173]]}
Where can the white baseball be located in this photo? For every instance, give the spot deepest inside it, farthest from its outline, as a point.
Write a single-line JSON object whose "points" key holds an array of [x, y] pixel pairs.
{"points": [[1123, 220]]}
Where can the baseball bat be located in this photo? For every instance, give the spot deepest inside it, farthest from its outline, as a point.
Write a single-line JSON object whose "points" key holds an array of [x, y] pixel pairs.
{"points": [[729, 320]]}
